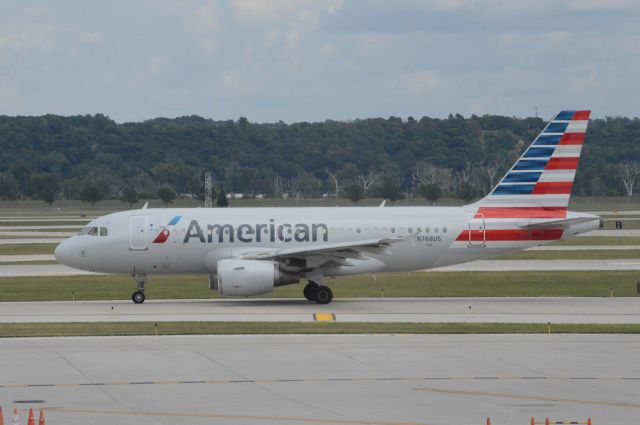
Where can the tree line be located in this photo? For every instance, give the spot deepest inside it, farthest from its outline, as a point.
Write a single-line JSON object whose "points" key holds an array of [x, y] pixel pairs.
{"points": [[93, 158]]}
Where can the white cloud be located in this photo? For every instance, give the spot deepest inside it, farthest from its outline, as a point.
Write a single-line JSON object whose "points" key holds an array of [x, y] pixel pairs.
{"points": [[590, 5], [258, 12], [584, 78], [418, 83], [551, 39]]}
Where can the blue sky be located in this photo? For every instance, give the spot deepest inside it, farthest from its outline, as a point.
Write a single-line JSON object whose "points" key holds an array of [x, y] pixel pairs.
{"points": [[312, 60]]}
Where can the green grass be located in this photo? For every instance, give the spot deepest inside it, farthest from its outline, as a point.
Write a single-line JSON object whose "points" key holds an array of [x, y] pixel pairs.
{"points": [[419, 284], [26, 263], [26, 249], [233, 328], [621, 254], [29, 237], [610, 224], [44, 223], [599, 240], [60, 230]]}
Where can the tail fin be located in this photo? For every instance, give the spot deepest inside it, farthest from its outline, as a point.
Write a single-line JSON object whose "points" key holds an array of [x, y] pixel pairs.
{"points": [[540, 182]]}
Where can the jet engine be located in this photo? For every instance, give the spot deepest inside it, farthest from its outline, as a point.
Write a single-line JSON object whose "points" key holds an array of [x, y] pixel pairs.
{"points": [[251, 277]]}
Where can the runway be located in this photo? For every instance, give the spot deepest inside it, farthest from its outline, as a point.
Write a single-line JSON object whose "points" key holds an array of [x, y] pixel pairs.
{"points": [[416, 310], [324, 379], [17, 270]]}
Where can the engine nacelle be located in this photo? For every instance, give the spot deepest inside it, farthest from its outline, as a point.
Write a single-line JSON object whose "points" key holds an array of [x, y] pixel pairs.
{"points": [[251, 277]]}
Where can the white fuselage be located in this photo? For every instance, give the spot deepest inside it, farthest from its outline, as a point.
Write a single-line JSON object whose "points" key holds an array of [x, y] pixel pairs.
{"points": [[166, 241]]}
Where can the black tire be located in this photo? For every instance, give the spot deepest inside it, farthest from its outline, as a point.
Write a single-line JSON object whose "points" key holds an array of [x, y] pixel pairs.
{"points": [[310, 291], [324, 295], [138, 297]]}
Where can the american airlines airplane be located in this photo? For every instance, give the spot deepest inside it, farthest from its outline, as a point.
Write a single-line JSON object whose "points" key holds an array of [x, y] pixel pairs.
{"points": [[249, 251]]}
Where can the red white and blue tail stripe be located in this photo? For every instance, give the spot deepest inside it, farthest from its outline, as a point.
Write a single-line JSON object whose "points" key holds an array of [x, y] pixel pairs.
{"points": [[529, 204], [540, 182]]}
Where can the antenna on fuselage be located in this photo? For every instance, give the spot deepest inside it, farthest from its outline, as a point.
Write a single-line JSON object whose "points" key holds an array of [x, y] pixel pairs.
{"points": [[382, 204], [146, 204]]}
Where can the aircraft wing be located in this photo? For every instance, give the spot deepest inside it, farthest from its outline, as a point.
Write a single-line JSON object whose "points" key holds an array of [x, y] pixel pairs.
{"points": [[352, 249]]}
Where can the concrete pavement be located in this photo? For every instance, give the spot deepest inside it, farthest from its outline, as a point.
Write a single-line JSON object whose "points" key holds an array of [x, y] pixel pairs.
{"points": [[431, 310]]}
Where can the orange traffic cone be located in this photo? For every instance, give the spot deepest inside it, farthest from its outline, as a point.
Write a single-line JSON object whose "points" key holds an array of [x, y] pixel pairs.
{"points": [[533, 422], [589, 421], [546, 421], [31, 420], [41, 418], [1, 417], [488, 421], [16, 419]]}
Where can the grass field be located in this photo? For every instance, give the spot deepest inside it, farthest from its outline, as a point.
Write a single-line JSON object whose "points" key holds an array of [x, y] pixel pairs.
{"points": [[75, 209], [599, 240], [26, 249], [419, 284], [43, 223], [229, 328], [621, 254], [59, 230]]}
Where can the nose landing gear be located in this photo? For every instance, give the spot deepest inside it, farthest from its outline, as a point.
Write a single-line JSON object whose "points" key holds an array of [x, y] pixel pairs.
{"points": [[138, 296], [318, 293]]}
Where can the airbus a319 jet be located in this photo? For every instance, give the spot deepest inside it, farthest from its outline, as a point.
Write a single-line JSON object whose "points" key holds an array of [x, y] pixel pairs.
{"points": [[249, 251]]}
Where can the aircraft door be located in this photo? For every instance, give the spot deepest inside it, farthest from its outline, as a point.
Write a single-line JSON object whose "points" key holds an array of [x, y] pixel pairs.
{"points": [[477, 234], [138, 236]]}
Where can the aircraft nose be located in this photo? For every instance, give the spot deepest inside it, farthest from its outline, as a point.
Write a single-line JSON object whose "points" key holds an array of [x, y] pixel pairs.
{"points": [[63, 252]]}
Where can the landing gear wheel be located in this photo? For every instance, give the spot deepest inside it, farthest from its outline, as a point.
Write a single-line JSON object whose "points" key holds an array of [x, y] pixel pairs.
{"points": [[324, 295], [138, 297], [310, 291]]}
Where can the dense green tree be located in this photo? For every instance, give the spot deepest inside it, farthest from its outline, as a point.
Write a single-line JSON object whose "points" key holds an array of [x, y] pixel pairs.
{"points": [[466, 191], [130, 195], [167, 195], [91, 193], [45, 187], [303, 156], [390, 189], [431, 191], [355, 192], [222, 200]]}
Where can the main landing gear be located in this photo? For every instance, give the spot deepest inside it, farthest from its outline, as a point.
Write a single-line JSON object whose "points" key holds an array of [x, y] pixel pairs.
{"points": [[138, 296], [320, 294]]}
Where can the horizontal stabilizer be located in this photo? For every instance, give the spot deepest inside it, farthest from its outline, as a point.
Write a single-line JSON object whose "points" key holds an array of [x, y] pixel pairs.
{"points": [[557, 223]]}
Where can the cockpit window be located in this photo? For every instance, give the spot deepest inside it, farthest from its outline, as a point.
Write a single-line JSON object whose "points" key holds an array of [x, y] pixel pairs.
{"points": [[84, 230], [93, 231], [103, 231]]}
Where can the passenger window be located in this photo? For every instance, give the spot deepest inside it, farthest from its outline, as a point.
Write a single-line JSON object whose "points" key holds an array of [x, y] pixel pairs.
{"points": [[426, 230], [419, 230], [410, 230], [435, 230], [358, 230], [103, 231], [444, 230], [393, 230], [93, 231]]}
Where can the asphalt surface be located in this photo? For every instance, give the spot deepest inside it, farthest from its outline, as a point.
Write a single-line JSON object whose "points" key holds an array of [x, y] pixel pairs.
{"points": [[17, 270], [324, 379], [435, 310]]}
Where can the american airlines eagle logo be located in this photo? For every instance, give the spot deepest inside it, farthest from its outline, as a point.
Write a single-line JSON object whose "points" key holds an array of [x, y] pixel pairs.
{"points": [[164, 234]]}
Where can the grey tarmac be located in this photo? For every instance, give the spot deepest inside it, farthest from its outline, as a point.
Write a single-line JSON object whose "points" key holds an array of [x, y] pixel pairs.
{"points": [[324, 379], [16, 270], [416, 310]]}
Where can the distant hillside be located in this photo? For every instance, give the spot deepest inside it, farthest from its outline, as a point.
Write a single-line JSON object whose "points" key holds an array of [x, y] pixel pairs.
{"points": [[64, 153]]}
